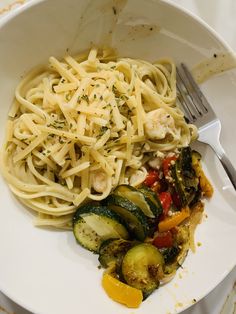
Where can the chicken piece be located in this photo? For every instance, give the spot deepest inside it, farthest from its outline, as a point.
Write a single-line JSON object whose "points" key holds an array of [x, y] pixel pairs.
{"points": [[99, 181], [138, 176], [158, 124], [155, 163]]}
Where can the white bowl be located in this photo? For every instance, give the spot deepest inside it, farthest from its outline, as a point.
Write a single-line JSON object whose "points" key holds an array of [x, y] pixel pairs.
{"points": [[46, 271]]}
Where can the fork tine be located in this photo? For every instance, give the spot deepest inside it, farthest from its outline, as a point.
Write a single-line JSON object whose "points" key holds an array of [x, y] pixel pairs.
{"points": [[195, 103], [184, 107], [208, 124], [184, 100], [196, 92]]}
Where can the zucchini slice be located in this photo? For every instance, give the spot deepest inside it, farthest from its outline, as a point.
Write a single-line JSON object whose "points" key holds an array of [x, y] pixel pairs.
{"points": [[113, 251], [140, 267], [184, 177], [94, 224], [170, 254], [152, 198], [138, 198], [135, 219]]}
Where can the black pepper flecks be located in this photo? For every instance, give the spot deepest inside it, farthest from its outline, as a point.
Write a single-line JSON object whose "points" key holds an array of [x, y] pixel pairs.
{"points": [[114, 10]]}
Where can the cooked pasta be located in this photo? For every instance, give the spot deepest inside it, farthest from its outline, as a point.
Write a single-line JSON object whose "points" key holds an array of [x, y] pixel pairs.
{"points": [[83, 125]]}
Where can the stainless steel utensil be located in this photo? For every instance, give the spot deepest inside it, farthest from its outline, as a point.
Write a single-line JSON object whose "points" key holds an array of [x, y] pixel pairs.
{"points": [[199, 112]]}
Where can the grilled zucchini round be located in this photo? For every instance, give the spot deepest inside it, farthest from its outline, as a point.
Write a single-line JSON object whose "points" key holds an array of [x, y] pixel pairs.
{"points": [[135, 219], [92, 224], [113, 251], [140, 267]]}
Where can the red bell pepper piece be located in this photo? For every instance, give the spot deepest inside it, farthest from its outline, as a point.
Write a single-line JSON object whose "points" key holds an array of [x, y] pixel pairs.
{"points": [[166, 165], [163, 239], [151, 178]]}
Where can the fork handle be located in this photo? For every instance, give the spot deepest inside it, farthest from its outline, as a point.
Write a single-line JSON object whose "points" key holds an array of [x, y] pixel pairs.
{"points": [[226, 163]]}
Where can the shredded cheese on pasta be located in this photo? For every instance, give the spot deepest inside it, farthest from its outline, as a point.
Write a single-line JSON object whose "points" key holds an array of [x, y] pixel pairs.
{"points": [[83, 125]]}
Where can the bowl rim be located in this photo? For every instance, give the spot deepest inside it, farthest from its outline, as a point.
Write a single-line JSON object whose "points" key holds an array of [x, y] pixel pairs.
{"points": [[31, 3]]}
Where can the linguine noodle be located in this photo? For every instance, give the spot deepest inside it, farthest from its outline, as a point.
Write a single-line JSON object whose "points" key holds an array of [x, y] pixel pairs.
{"points": [[83, 125]]}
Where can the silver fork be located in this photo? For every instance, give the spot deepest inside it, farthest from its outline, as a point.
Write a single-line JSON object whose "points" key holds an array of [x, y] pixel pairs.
{"points": [[198, 111]]}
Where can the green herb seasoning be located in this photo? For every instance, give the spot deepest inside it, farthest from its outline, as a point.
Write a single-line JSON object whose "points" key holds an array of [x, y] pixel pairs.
{"points": [[60, 140], [114, 10], [114, 89], [68, 97], [102, 131], [124, 97], [85, 98], [54, 85]]}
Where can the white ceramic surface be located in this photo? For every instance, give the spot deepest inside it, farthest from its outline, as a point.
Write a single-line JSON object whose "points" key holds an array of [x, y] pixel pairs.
{"points": [[46, 271]]}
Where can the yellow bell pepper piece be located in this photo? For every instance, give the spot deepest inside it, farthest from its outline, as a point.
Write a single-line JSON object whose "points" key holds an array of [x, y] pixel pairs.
{"points": [[120, 292], [174, 220], [207, 188]]}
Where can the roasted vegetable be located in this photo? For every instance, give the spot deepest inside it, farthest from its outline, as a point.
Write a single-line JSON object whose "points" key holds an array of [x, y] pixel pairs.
{"points": [[141, 267], [166, 201], [113, 251], [138, 198], [196, 157], [175, 258], [152, 197], [94, 224], [143, 234], [136, 221], [121, 292], [183, 177], [163, 240], [170, 254], [172, 221], [151, 178], [205, 185]]}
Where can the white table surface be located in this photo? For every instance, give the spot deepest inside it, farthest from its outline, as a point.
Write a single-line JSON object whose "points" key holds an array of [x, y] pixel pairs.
{"points": [[220, 15]]}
